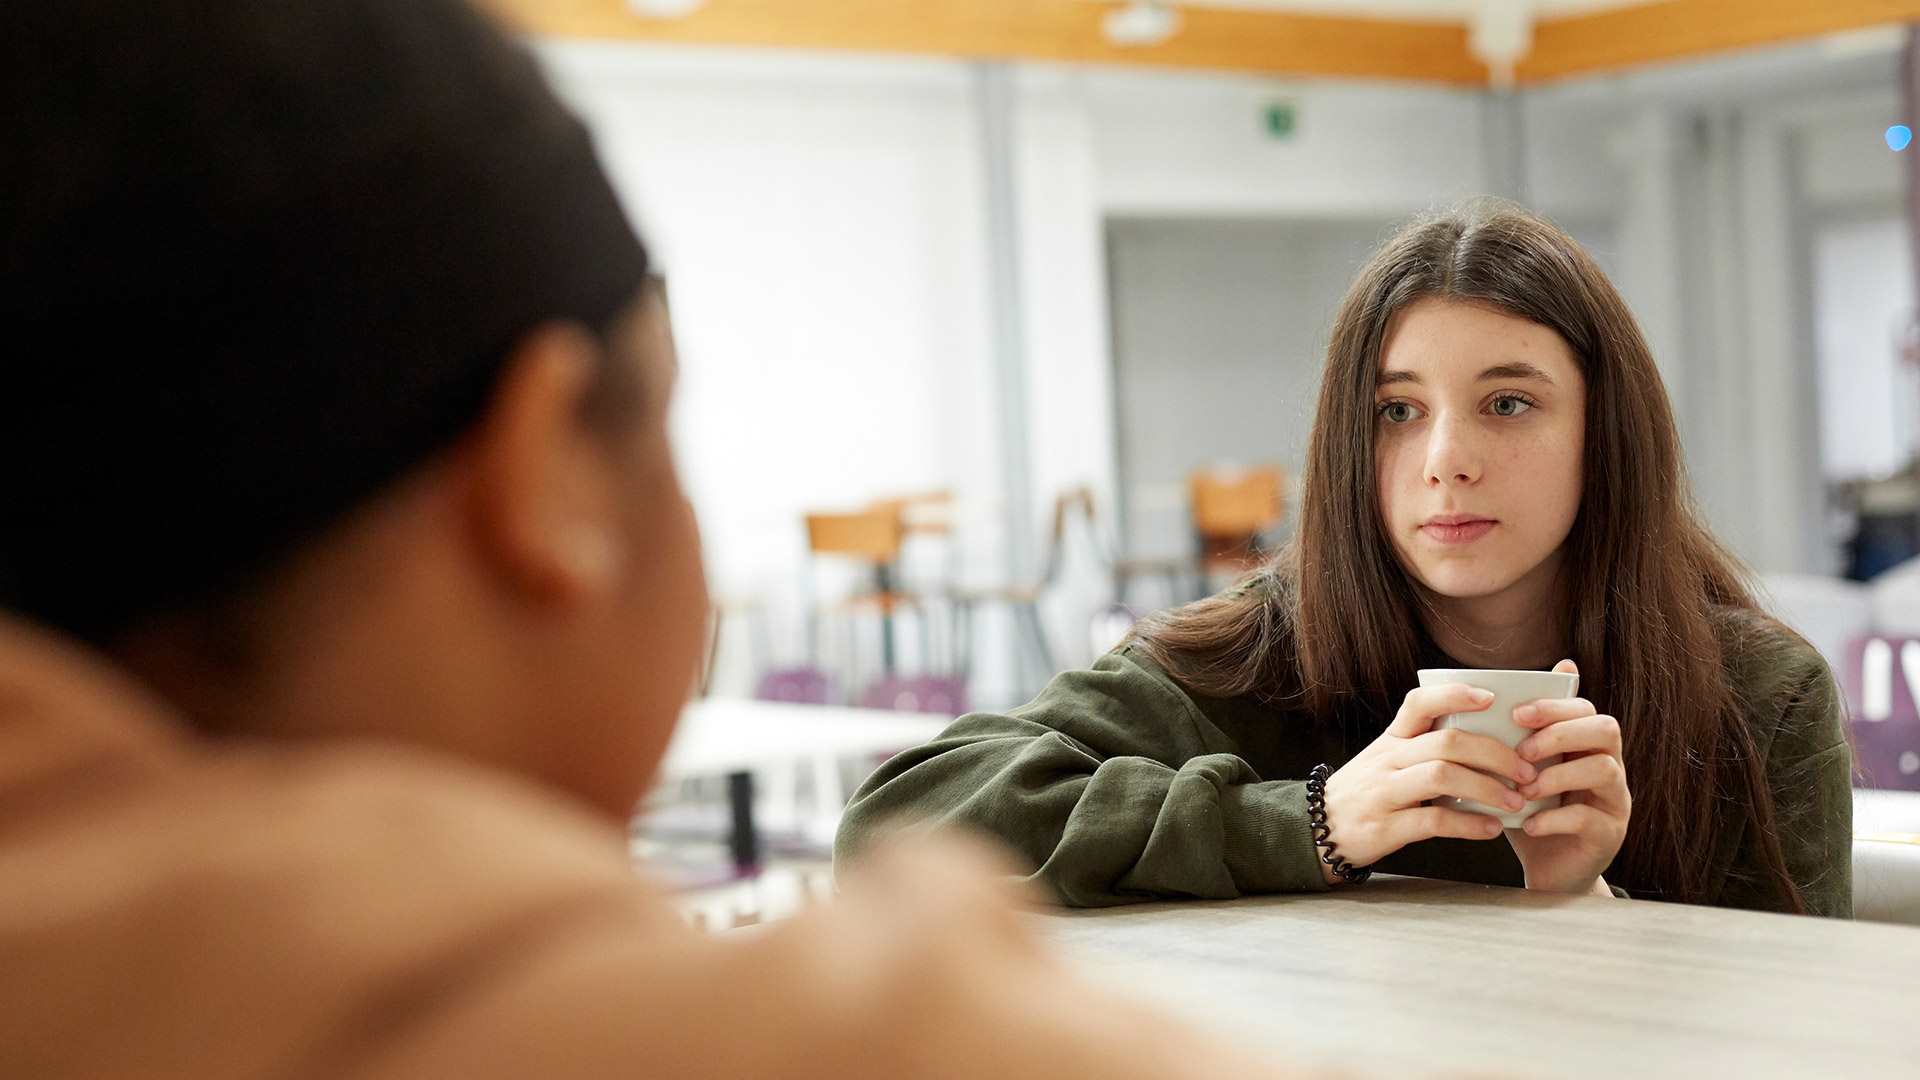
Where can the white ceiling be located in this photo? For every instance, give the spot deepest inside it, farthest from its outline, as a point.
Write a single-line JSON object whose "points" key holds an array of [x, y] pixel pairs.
{"points": [[1438, 10]]}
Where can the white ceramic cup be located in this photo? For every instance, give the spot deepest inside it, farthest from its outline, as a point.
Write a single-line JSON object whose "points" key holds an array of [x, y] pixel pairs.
{"points": [[1510, 689]]}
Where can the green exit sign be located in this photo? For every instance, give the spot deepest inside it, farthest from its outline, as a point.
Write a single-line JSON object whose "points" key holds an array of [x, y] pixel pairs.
{"points": [[1281, 119]]}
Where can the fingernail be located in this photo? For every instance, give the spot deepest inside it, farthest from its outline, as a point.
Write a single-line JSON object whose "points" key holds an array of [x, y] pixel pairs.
{"points": [[1483, 696], [1525, 714], [1530, 792], [1528, 773], [1525, 749], [1515, 802]]}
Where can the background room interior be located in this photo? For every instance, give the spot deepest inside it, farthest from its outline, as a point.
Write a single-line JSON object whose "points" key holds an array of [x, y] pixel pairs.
{"points": [[946, 538], [1024, 302]]}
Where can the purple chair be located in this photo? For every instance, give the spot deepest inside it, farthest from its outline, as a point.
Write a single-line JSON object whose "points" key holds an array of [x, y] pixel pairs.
{"points": [[942, 694], [800, 686], [1881, 679]]}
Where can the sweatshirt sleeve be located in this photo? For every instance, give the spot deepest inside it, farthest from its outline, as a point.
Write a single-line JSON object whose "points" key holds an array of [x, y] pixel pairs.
{"points": [[1810, 775], [1112, 785]]}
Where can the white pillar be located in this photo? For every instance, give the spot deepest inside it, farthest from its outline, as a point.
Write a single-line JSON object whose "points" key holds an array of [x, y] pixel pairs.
{"points": [[1725, 467], [1784, 448], [1647, 152], [993, 103]]}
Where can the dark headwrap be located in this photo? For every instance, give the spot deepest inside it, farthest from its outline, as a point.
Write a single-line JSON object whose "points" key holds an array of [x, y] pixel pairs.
{"points": [[257, 260]]}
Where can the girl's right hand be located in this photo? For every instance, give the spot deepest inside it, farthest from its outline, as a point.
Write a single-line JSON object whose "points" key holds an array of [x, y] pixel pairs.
{"points": [[1376, 802]]}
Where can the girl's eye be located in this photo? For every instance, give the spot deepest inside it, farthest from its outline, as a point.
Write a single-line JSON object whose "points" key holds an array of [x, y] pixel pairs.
{"points": [[1396, 412], [1510, 405]]}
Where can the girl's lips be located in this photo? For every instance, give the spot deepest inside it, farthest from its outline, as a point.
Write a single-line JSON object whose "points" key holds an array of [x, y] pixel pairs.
{"points": [[1465, 533]]}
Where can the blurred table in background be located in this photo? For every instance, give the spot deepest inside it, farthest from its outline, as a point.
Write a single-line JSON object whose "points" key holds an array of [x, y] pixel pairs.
{"points": [[738, 739], [1406, 977]]}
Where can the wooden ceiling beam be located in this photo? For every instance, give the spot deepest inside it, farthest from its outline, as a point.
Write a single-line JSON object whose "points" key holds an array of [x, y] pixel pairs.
{"points": [[1678, 29], [1264, 42], [1280, 43]]}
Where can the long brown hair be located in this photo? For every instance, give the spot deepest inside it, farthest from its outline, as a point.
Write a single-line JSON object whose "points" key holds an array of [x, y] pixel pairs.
{"points": [[1324, 625]]}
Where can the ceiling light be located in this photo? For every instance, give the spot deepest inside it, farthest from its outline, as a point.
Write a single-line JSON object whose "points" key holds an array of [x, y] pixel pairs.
{"points": [[1141, 22], [1501, 36]]}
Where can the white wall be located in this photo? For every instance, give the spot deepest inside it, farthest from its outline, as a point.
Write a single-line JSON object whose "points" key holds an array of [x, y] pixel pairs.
{"points": [[817, 221], [1171, 144], [1867, 398], [821, 222], [1220, 337], [1193, 145], [1070, 386]]}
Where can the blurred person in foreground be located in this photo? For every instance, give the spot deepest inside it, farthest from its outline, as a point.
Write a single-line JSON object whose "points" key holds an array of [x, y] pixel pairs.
{"points": [[350, 596]]}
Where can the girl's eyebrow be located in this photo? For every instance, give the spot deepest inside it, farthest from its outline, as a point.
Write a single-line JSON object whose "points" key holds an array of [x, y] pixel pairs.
{"points": [[1518, 369]]}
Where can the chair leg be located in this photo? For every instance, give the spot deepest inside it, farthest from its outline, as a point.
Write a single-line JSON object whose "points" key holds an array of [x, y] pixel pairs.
{"points": [[1043, 648], [963, 638], [1028, 616], [923, 623]]}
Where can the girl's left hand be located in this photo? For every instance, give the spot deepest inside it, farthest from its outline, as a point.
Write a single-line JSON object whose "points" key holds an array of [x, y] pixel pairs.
{"points": [[1567, 849]]}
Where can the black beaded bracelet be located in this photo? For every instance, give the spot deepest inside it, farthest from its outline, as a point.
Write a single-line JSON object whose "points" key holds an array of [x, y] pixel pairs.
{"points": [[1317, 814]]}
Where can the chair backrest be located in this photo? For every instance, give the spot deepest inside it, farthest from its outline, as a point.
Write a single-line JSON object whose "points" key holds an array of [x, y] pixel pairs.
{"points": [[871, 535], [1236, 503], [924, 512], [1881, 680], [942, 694], [1065, 505], [798, 686]]}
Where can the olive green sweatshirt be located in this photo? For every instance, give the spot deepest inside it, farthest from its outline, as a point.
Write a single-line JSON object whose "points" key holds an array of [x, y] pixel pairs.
{"points": [[1119, 786]]}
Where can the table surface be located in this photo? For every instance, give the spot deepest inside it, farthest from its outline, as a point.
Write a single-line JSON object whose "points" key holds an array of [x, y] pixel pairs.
{"points": [[1885, 811], [1411, 977], [723, 735]]}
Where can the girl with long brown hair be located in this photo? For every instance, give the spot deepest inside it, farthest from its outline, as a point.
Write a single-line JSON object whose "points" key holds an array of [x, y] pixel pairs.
{"points": [[1493, 480]]}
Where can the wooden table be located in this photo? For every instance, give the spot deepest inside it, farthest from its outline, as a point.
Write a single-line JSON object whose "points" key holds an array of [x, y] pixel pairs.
{"points": [[1408, 977]]}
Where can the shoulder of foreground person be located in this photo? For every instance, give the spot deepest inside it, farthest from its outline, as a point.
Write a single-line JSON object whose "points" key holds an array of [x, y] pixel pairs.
{"points": [[1799, 723], [381, 913], [921, 969]]}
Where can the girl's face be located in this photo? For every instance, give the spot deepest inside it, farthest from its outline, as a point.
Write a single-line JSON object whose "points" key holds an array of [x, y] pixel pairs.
{"points": [[1479, 432]]}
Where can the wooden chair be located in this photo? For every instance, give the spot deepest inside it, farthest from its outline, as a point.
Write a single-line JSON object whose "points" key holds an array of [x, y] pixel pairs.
{"points": [[872, 537], [925, 512], [1232, 510], [1881, 680], [1022, 598], [928, 565]]}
